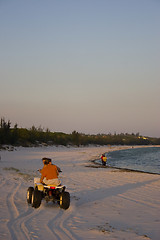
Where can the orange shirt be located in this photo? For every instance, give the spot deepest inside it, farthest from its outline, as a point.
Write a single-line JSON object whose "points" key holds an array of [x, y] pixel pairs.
{"points": [[49, 172]]}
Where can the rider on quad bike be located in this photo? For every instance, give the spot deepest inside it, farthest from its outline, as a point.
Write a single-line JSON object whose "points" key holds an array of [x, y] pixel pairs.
{"points": [[49, 174], [48, 187]]}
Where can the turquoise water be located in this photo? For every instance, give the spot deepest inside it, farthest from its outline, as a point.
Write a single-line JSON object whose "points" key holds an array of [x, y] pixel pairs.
{"points": [[140, 159]]}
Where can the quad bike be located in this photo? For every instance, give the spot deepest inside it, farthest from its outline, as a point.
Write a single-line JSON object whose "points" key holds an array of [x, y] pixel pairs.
{"points": [[48, 193]]}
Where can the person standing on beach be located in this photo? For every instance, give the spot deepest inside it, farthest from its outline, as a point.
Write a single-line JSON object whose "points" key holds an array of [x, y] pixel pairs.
{"points": [[103, 159]]}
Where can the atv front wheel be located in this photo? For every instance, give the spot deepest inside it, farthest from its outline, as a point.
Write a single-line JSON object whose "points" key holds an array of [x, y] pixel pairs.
{"points": [[36, 199], [29, 194], [64, 200]]}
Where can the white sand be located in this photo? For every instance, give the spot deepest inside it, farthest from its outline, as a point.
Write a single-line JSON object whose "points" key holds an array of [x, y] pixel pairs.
{"points": [[105, 203]]}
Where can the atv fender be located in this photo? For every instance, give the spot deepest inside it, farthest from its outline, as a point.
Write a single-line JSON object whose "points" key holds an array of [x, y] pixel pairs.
{"points": [[39, 186]]}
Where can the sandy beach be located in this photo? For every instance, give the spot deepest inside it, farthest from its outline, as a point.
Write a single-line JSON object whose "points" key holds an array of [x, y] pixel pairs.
{"points": [[106, 203]]}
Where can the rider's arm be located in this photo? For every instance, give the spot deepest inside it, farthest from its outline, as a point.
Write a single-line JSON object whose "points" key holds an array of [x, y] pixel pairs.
{"points": [[42, 175], [57, 170], [41, 180]]}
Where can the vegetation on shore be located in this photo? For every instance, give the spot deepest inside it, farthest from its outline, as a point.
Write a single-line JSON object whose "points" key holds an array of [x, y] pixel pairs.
{"points": [[38, 136]]}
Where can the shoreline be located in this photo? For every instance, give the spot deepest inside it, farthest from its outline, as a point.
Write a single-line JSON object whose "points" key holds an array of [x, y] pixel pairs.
{"points": [[99, 165], [116, 168]]}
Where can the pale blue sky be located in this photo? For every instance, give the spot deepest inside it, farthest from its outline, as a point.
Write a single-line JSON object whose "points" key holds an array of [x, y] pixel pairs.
{"points": [[90, 65]]}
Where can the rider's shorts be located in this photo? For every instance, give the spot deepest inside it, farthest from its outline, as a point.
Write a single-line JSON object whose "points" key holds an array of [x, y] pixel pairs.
{"points": [[54, 181]]}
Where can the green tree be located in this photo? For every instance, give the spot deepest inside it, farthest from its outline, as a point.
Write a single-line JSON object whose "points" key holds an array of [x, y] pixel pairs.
{"points": [[14, 134], [76, 138], [5, 131]]}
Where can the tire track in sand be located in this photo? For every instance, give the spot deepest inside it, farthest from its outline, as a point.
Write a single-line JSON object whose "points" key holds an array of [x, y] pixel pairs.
{"points": [[16, 224], [2, 182], [57, 227], [20, 224]]}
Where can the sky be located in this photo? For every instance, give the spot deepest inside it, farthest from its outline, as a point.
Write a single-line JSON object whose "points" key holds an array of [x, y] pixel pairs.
{"points": [[91, 66]]}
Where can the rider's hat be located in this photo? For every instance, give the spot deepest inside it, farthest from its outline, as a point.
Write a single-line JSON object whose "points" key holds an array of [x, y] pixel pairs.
{"points": [[47, 160]]}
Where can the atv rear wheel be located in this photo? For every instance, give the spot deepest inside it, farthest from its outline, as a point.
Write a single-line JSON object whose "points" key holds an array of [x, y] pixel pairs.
{"points": [[64, 200], [36, 199], [29, 194]]}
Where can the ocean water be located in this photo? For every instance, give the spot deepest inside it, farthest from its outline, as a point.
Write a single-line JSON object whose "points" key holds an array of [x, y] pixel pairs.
{"points": [[140, 159]]}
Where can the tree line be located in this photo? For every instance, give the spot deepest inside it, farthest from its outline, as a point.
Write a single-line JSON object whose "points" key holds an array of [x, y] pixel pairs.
{"points": [[36, 136]]}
